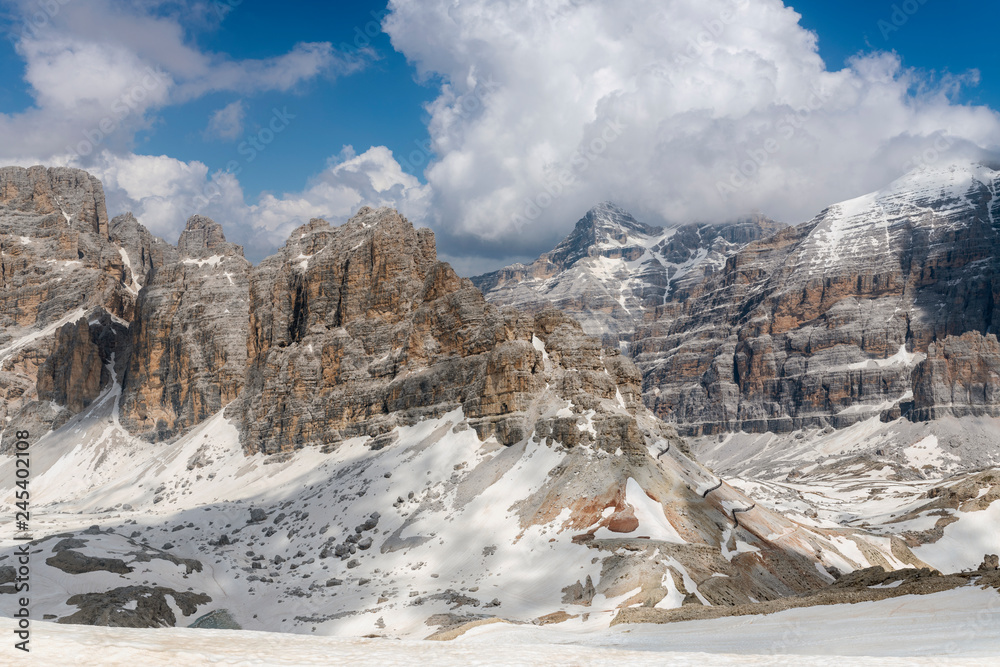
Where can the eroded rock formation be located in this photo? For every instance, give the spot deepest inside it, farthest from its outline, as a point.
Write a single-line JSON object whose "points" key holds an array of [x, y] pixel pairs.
{"points": [[824, 323], [356, 329], [57, 265], [613, 271], [188, 337]]}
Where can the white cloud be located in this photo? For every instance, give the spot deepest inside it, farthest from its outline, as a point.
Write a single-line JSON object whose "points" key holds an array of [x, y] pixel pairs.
{"points": [[163, 192], [350, 181], [227, 122], [659, 106], [100, 70]]}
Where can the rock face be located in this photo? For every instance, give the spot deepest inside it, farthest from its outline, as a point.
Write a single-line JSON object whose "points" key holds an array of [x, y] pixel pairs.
{"points": [[612, 270], [57, 265], [358, 332], [824, 323], [357, 329], [76, 371], [503, 437], [141, 251], [188, 338], [959, 378], [56, 254]]}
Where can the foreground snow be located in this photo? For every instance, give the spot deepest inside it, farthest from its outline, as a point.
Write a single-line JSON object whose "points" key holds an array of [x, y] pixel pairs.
{"points": [[959, 627], [430, 532]]}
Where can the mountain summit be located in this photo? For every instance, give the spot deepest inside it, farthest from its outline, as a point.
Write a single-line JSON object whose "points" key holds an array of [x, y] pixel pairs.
{"points": [[612, 270]]}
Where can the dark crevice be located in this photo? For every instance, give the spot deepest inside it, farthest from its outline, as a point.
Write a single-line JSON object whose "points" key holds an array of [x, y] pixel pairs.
{"points": [[300, 314], [740, 510], [338, 317]]}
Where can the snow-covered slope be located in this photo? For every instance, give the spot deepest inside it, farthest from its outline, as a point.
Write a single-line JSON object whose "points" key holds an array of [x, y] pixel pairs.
{"points": [[953, 628], [433, 531], [934, 485], [612, 270]]}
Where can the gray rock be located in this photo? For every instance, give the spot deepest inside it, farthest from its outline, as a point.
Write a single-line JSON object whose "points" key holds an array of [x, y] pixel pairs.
{"points": [[220, 619], [74, 562], [828, 322], [55, 259], [69, 543], [133, 607], [574, 276], [189, 336]]}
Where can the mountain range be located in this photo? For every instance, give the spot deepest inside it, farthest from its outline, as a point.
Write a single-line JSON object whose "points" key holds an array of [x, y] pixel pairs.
{"points": [[880, 306], [349, 438]]}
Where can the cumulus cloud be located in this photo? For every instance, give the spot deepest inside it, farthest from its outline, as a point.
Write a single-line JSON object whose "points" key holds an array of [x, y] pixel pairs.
{"points": [[163, 192], [373, 178], [100, 70], [683, 110], [227, 122]]}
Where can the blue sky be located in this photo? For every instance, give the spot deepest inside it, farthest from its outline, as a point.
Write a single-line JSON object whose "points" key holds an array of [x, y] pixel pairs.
{"points": [[382, 105], [953, 36], [506, 97]]}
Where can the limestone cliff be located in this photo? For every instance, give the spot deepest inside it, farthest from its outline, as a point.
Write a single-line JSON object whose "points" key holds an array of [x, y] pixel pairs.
{"points": [[188, 337], [356, 329], [825, 323], [612, 271], [57, 265]]}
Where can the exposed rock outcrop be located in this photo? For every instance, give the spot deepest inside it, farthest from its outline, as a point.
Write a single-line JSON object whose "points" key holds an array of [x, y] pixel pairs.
{"points": [[133, 607], [357, 329], [86, 355], [57, 265], [499, 434], [56, 253], [960, 377], [825, 322], [820, 324], [142, 253], [612, 271], [188, 338]]}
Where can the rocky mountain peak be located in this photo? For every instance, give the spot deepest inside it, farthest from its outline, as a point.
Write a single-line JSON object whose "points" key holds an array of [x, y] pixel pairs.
{"points": [[510, 436], [141, 252], [604, 227], [203, 237], [610, 218], [57, 265], [72, 198], [613, 270], [380, 236]]}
